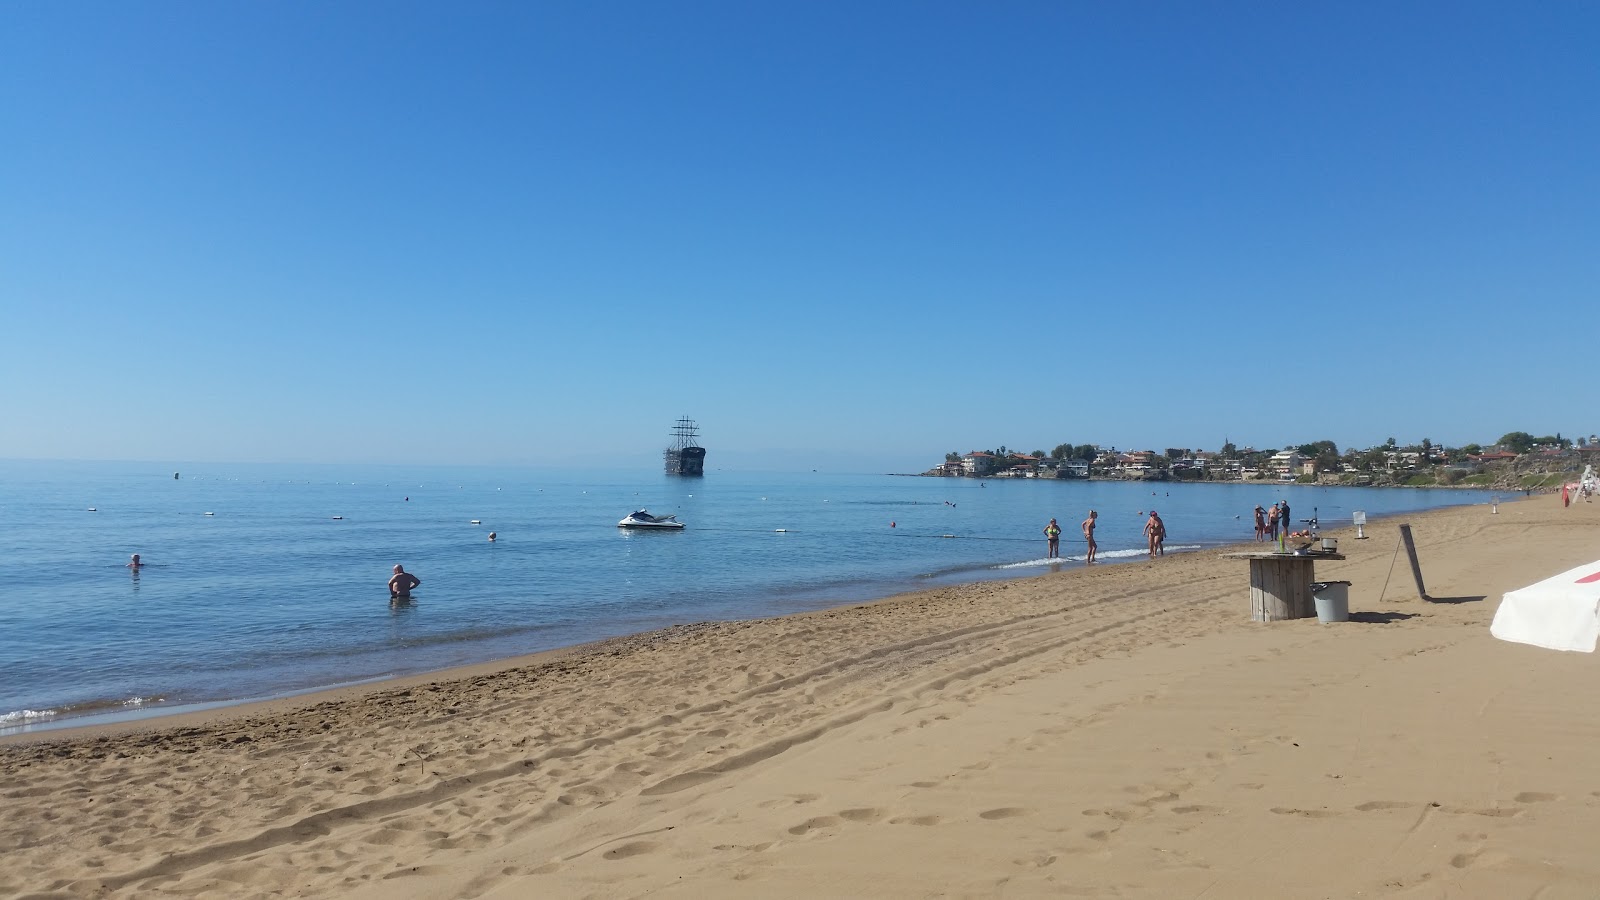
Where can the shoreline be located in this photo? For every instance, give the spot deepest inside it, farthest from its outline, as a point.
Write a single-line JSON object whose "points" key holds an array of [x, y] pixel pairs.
{"points": [[188, 713], [722, 758]]}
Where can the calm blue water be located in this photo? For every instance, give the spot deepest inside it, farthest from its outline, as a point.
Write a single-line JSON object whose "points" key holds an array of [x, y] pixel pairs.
{"points": [[271, 594]]}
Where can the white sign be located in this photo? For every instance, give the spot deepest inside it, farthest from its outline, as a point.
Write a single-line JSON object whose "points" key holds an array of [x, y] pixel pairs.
{"points": [[1360, 517]]}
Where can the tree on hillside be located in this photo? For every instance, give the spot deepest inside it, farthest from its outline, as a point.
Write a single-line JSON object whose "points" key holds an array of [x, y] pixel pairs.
{"points": [[1516, 441], [1085, 451], [1061, 451], [1389, 444], [1229, 450], [952, 456], [1318, 448], [1472, 449]]}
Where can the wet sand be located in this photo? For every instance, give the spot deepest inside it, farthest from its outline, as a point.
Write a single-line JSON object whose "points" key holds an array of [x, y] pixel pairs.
{"points": [[1112, 731]]}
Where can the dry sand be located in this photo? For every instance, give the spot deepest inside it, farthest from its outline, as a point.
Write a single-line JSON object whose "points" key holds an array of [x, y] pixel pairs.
{"points": [[1123, 731]]}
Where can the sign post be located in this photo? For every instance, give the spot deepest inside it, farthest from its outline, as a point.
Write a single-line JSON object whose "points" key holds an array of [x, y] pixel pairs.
{"points": [[1416, 567]]}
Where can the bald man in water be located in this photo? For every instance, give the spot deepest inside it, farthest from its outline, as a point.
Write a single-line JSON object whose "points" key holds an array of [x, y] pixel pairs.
{"points": [[401, 583], [1088, 534]]}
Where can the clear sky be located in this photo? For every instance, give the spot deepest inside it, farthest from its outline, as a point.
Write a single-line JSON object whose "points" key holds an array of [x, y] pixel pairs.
{"points": [[531, 232]]}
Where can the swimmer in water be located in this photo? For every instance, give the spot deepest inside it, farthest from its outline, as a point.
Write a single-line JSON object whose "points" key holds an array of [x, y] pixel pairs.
{"points": [[491, 537], [401, 583], [134, 563]]}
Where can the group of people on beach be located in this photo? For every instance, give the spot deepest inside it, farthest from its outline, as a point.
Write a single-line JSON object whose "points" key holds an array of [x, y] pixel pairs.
{"points": [[1268, 521], [1155, 532], [1052, 534]]}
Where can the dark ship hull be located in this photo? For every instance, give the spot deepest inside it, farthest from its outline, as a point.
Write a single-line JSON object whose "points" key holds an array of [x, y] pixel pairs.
{"points": [[686, 461]]}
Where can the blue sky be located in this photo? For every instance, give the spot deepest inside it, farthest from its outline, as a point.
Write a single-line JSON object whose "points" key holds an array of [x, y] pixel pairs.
{"points": [[857, 234]]}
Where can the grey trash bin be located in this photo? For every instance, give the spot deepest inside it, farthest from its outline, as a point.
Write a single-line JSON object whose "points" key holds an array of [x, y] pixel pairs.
{"points": [[1332, 599]]}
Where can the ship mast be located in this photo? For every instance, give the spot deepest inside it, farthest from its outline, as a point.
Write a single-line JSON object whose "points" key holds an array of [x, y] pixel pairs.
{"points": [[685, 433]]}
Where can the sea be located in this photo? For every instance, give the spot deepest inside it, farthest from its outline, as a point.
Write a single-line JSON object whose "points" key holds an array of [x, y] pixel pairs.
{"points": [[264, 581]]}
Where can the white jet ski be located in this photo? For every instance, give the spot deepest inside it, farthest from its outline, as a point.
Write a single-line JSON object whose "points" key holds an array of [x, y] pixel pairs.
{"points": [[643, 519]]}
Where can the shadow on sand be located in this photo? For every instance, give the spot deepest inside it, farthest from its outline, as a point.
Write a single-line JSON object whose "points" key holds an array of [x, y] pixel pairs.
{"points": [[1381, 618], [1476, 599]]}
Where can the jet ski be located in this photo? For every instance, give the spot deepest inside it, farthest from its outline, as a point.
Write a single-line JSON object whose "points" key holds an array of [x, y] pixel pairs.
{"points": [[643, 519]]}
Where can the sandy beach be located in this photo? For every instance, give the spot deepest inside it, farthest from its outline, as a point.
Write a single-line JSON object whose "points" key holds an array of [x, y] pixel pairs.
{"points": [[1118, 731]]}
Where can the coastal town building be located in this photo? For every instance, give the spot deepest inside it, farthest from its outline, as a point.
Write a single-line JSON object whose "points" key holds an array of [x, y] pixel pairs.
{"points": [[1286, 463], [977, 463], [1073, 468]]}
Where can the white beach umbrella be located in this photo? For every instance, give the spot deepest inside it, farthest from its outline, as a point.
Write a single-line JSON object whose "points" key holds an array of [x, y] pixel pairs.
{"points": [[1560, 613]]}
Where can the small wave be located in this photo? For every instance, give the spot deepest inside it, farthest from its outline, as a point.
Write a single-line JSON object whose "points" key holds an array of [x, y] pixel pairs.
{"points": [[1035, 562], [1103, 554], [21, 716]]}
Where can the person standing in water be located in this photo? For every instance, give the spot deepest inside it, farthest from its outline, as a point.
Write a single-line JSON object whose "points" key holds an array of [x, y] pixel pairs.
{"points": [[1156, 531], [134, 563], [1052, 534], [1088, 534], [401, 583], [1261, 523]]}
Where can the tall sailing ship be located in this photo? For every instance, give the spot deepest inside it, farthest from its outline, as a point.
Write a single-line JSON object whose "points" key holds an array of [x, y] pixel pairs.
{"points": [[686, 456]]}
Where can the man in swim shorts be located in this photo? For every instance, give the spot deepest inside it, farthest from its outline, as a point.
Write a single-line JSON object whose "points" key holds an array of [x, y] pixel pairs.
{"points": [[1052, 534], [1088, 534], [401, 583]]}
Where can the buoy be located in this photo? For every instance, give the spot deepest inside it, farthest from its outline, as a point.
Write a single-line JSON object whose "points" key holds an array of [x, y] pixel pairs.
{"points": [[210, 513], [476, 522], [779, 530], [92, 509], [338, 517]]}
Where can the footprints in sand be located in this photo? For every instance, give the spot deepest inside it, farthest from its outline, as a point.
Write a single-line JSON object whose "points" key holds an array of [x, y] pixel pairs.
{"points": [[634, 848], [1372, 805], [1004, 812], [1304, 813], [1494, 812], [814, 824], [829, 825]]}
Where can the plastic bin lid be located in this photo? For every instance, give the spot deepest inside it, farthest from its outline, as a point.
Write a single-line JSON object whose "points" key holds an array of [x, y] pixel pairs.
{"points": [[1317, 586]]}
